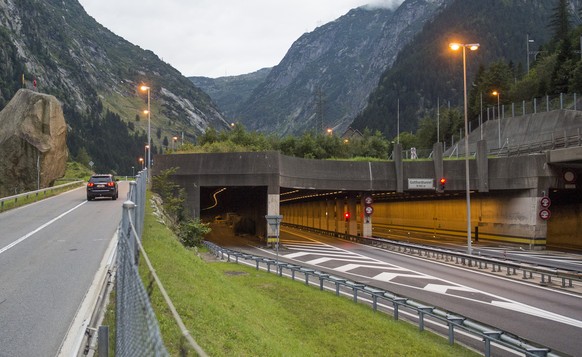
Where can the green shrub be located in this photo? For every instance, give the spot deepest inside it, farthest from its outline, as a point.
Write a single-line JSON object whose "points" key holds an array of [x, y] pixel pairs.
{"points": [[192, 231]]}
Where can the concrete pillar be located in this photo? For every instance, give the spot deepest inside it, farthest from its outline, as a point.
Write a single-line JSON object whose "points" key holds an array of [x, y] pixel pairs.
{"points": [[193, 199], [397, 155], [482, 167], [339, 217], [353, 220], [329, 215], [273, 206], [367, 220], [322, 219]]}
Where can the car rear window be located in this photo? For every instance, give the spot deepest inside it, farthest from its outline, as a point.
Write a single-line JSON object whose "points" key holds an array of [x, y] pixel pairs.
{"points": [[100, 179]]}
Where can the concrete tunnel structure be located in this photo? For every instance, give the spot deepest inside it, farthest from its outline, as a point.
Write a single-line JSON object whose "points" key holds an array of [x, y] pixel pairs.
{"points": [[505, 194]]}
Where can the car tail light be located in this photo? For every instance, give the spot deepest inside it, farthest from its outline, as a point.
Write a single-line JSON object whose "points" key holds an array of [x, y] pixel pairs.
{"points": [[110, 184], [90, 184]]}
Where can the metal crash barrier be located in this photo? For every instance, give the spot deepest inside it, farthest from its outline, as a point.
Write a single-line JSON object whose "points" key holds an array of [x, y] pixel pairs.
{"points": [[453, 322]]}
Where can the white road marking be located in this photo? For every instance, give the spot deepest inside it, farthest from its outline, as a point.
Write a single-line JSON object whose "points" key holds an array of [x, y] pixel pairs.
{"points": [[443, 289], [28, 235]]}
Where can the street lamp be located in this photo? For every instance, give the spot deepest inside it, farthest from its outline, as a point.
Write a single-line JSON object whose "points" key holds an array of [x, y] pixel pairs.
{"points": [[472, 47], [527, 42], [141, 162], [149, 157], [498, 94], [174, 139], [329, 131]]}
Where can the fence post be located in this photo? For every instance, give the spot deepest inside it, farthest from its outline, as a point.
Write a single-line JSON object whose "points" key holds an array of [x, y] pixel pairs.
{"points": [[103, 341]]}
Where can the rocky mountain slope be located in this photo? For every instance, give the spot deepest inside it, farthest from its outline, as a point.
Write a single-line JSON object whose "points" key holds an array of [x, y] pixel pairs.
{"points": [[96, 74], [230, 92], [326, 76]]}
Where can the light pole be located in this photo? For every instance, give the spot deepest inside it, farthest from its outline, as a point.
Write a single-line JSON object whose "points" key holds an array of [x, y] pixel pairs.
{"points": [[174, 139], [498, 94], [472, 47], [146, 153], [141, 162], [149, 157], [133, 171], [527, 42]]}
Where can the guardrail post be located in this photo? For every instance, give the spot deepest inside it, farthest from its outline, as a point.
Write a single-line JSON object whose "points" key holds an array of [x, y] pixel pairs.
{"points": [[396, 302], [421, 312], [489, 335], [452, 321]]}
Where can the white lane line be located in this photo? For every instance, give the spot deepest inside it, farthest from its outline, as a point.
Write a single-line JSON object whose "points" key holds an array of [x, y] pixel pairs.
{"points": [[23, 238]]}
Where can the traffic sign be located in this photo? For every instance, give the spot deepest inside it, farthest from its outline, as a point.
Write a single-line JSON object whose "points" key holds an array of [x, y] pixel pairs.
{"points": [[545, 202], [368, 200], [545, 214], [369, 210]]}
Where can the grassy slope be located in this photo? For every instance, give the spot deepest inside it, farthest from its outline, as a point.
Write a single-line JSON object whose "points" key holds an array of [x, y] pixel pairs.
{"points": [[235, 310]]}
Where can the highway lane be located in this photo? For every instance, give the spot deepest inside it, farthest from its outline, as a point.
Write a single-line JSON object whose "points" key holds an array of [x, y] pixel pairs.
{"points": [[49, 253], [546, 316]]}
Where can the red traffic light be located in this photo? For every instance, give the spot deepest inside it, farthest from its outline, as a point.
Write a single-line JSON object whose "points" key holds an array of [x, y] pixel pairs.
{"points": [[443, 181]]}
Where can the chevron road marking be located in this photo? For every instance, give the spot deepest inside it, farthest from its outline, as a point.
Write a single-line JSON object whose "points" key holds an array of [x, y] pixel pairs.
{"points": [[392, 272]]}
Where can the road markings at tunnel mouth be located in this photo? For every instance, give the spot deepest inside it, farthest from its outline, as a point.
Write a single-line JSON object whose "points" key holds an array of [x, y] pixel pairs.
{"points": [[28, 235], [340, 260]]}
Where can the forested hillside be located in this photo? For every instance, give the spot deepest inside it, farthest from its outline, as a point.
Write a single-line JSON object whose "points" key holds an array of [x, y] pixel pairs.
{"points": [[427, 71]]}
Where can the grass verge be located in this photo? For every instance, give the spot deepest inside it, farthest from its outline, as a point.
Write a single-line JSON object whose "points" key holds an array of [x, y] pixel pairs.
{"points": [[234, 310]]}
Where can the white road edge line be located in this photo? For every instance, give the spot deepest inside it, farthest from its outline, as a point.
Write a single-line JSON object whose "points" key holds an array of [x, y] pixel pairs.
{"points": [[74, 338], [25, 237]]}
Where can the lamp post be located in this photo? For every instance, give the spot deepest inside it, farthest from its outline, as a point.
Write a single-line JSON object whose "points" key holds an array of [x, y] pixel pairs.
{"points": [[472, 47], [527, 42], [498, 94], [141, 162], [174, 139], [149, 157]]}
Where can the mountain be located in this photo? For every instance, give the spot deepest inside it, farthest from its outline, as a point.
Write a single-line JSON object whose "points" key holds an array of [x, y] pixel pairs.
{"points": [[229, 92], [326, 76], [96, 74], [426, 70]]}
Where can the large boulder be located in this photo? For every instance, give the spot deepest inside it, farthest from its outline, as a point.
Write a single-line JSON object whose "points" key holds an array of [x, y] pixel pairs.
{"points": [[33, 144]]}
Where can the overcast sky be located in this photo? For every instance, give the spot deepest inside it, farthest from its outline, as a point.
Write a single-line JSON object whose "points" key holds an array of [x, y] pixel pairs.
{"points": [[216, 38]]}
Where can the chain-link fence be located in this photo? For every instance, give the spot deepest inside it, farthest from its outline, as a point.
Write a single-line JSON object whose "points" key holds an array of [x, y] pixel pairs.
{"points": [[137, 331]]}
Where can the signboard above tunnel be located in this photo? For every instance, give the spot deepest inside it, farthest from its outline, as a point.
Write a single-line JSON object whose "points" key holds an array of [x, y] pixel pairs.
{"points": [[420, 184]]}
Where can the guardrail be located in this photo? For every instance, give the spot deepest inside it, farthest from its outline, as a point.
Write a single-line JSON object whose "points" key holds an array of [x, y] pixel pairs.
{"points": [[545, 273], [490, 336], [36, 193]]}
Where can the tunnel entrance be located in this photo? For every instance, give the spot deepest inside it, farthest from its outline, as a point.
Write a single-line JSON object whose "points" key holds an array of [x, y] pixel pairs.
{"points": [[565, 224], [242, 207]]}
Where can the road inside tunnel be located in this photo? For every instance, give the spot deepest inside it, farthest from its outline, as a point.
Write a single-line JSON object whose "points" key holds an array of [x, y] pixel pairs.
{"points": [[235, 203]]}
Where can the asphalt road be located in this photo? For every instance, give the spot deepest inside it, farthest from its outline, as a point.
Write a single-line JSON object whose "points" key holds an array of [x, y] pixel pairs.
{"points": [[49, 253], [547, 316]]}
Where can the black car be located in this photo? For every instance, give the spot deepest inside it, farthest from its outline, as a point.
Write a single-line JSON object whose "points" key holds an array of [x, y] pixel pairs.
{"points": [[102, 186]]}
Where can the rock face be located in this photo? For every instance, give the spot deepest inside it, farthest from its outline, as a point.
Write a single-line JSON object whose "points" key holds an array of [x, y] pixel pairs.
{"points": [[32, 141]]}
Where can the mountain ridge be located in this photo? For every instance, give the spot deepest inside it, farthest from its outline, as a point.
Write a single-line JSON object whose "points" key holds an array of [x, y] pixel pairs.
{"points": [[95, 72]]}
